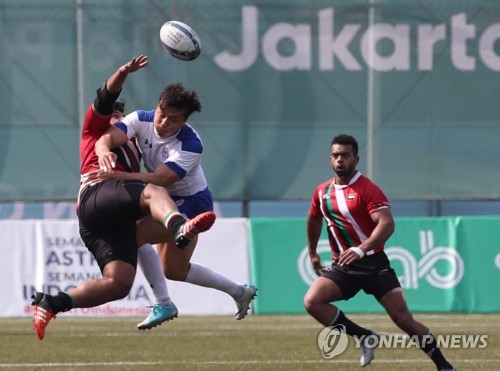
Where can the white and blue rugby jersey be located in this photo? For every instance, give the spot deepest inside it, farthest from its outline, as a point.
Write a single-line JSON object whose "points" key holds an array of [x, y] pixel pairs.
{"points": [[181, 152]]}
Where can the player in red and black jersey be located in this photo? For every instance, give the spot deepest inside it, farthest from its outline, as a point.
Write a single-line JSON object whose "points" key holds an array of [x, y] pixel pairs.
{"points": [[108, 211], [359, 222]]}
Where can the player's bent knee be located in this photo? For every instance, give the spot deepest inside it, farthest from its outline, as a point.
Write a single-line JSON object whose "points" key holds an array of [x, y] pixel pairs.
{"points": [[310, 304], [151, 189], [121, 289]]}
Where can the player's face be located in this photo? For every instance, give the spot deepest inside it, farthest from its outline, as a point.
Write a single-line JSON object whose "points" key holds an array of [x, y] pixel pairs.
{"points": [[117, 116], [169, 121], [343, 160]]}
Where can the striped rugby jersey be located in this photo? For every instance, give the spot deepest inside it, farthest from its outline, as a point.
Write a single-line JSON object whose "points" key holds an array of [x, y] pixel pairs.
{"points": [[347, 209], [94, 127]]}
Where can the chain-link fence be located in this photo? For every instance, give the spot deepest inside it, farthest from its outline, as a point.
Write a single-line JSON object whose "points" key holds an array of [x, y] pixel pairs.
{"points": [[416, 83]]}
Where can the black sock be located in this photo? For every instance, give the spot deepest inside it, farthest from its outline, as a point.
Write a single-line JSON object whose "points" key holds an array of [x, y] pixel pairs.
{"points": [[350, 327], [62, 302], [429, 345]]}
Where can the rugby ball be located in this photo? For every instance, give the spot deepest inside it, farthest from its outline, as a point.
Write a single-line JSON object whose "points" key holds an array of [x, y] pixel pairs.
{"points": [[180, 40]]}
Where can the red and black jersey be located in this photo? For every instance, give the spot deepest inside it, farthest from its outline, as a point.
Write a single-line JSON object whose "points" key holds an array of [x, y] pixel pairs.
{"points": [[94, 126], [347, 209]]}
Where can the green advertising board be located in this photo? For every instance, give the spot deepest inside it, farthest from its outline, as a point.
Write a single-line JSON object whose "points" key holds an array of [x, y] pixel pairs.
{"points": [[443, 264]]}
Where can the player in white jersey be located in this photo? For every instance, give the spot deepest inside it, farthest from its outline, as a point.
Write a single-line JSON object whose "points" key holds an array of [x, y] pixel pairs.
{"points": [[172, 151], [181, 153]]}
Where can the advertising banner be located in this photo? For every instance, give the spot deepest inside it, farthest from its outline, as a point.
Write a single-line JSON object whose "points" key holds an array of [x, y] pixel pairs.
{"points": [[49, 256], [443, 264]]}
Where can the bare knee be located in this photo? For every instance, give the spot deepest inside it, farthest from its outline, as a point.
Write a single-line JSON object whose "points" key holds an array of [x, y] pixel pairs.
{"points": [[118, 278], [119, 286], [121, 289], [311, 303], [319, 296]]}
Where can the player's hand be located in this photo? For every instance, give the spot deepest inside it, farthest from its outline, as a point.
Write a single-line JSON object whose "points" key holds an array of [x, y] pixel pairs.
{"points": [[350, 255], [92, 177], [136, 64], [107, 161], [101, 176], [316, 263]]}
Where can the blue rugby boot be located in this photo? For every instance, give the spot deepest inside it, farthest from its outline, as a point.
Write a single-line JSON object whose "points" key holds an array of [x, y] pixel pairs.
{"points": [[158, 315]]}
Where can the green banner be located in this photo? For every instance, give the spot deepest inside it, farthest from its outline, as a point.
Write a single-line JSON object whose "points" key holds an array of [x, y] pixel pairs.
{"points": [[444, 264]]}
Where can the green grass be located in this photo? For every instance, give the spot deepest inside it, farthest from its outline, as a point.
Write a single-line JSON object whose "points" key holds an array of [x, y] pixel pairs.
{"points": [[221, 343]]}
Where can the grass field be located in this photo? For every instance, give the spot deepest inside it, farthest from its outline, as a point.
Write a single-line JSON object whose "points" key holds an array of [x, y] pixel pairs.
{"points": [[221, 343]]}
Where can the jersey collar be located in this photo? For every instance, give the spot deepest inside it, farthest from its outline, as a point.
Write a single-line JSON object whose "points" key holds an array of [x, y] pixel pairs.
{"points": [[342, 186]]}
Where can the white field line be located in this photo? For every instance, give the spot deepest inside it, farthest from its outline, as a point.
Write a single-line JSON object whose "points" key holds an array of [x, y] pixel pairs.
{"points": [[256, 362]]}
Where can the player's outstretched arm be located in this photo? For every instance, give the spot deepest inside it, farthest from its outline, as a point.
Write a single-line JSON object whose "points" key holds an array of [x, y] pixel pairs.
{"points": [[110, 91], [115, 81]]}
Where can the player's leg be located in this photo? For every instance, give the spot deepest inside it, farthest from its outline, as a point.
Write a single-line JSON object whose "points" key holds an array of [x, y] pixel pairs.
{"points": [[163, 309], [151, 266], [333, 285], [156, 200], [175, 260], [177, 266], [117, 280], [163, 209], [199, 274], [394, 303], [116, 255], [321, 293], [116, 283]]}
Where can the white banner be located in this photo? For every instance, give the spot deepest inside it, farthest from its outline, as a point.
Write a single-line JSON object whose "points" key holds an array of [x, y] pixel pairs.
{"points": [[49, 256]]}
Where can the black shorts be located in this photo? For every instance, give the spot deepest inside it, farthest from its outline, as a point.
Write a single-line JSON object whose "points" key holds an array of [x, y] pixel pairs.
{"points": [[375, 277], [108, 213]]}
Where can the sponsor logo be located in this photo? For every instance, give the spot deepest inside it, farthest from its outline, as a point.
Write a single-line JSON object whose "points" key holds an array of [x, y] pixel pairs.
{"points": [[426, 267], [442, 267]]}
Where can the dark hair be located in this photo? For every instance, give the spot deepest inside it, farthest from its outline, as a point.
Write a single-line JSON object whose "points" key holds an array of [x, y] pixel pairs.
{"points": [[176, 96], [346, 140], [119, 105]]}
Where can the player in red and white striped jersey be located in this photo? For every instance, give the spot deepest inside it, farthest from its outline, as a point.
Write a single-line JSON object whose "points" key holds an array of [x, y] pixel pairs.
{"points": [[359, 222], [347, 210]]}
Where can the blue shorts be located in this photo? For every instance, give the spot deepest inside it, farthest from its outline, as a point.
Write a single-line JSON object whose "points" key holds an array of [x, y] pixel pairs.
{"points": [[190, 206]]}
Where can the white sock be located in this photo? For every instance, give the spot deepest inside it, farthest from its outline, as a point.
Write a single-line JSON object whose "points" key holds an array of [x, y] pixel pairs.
{"points": [[151, 267], [206, 277]]}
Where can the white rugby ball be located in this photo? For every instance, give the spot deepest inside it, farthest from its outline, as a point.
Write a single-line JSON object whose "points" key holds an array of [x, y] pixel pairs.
{"points": [[180, 40]]}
